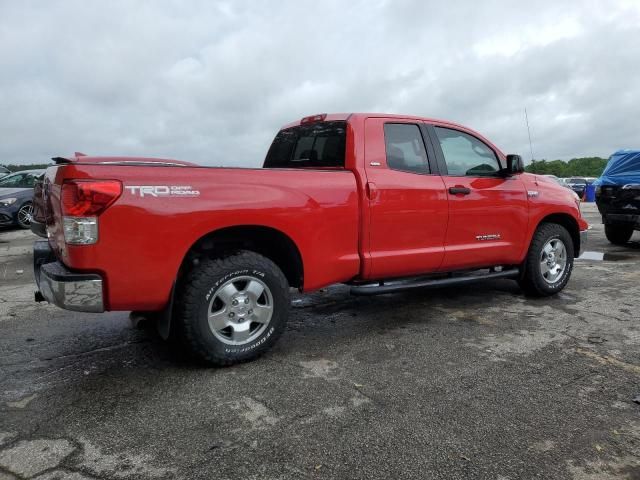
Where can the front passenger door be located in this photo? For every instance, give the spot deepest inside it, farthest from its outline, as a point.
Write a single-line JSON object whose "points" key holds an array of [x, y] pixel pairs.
{"points": [[488, 212]]}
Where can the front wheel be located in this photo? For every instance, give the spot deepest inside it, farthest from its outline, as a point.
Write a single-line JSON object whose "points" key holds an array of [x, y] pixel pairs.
{"points": [[549, 262], [618, 235], [24, 215], [233, 309]]}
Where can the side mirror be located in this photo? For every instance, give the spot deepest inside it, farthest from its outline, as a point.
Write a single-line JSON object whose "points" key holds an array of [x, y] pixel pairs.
{"points": [[515, 165]]}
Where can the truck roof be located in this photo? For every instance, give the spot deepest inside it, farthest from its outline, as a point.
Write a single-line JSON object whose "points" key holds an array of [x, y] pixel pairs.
{"points": [[328, 117]]}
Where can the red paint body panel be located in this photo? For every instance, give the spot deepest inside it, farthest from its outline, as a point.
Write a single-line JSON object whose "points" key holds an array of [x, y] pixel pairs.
{"points": [[354, 224], [495, 206], [551, 199], [143, 240], [408, 213]]}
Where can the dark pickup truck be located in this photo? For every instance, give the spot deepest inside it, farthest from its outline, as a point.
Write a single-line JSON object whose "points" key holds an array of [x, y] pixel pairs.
{"points": [[618, 196]]}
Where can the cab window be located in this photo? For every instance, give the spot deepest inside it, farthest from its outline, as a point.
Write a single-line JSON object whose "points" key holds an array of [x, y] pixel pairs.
{"points": [[319, 145], [405, 148], [465, 155]]}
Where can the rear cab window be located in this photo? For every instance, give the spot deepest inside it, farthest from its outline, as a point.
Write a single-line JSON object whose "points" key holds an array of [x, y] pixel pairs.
{"points": [[465, 155], [405, 148], [317, 145]]}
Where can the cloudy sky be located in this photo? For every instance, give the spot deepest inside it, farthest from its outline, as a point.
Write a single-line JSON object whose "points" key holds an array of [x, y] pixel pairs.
{"points": [[212, 82]]}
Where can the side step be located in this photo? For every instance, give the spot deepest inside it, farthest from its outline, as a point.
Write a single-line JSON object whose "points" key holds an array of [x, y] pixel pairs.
{"points": [[401, 285]]}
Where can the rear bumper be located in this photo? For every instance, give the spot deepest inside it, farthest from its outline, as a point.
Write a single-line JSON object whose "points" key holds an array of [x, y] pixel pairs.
{"points": [[80, 292]]}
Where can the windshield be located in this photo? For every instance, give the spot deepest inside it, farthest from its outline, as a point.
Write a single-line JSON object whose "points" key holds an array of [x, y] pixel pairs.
{"points": [[575, 181], [19, 180]]}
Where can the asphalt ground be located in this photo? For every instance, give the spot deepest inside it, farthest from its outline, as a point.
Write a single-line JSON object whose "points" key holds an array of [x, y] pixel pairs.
{"points": [[470, 382]]}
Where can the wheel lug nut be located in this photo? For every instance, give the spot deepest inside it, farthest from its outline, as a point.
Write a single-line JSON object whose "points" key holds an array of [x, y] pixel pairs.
{"points": [[231, 314], [234, 302], [246, 300], [250, 312]]}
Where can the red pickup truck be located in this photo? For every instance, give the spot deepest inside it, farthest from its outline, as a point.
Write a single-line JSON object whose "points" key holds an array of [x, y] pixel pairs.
{"points": [[380, 202]]}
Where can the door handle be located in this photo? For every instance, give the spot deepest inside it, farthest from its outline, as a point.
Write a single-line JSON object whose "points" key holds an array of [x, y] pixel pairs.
{"points": [[459, 191]]}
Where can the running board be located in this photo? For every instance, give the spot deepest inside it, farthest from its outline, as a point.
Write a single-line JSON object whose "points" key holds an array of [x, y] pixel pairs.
{"points": [[401, 285]]}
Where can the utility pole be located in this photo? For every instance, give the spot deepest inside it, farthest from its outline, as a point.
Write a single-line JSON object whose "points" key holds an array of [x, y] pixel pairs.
{"points": [[526, 117]]}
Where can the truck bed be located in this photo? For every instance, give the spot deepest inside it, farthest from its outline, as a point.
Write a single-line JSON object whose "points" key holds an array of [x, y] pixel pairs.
{"points": [[164, 210]]}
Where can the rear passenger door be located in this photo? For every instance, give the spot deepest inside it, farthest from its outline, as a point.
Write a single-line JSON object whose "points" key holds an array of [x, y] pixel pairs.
{"points": [[408, 207], [488, 212]]}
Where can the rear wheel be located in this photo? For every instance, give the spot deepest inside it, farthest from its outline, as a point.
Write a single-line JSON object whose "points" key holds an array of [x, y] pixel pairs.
{"points": [[618, 235], [549, 262], [233, 309], [24, 215]]}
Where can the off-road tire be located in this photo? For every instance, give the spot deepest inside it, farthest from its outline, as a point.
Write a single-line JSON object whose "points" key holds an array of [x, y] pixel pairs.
{"points": [[617, 234], [192, 307], [531, 279]]}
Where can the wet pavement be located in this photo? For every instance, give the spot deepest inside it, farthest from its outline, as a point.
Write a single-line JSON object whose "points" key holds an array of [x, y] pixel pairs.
{"points": [[471, 382]]}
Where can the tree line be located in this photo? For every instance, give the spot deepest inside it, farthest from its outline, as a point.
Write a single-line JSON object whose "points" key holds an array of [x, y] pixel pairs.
{"points": [[576, 167]]}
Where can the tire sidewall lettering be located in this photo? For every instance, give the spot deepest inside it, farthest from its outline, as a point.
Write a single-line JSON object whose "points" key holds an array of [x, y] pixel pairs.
{"points": [[255, 344], [225, 278], [241, 349], [560, 283]]}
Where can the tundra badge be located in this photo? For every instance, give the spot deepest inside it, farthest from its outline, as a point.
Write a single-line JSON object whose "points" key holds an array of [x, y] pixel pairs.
{"points": [[495, 236]]}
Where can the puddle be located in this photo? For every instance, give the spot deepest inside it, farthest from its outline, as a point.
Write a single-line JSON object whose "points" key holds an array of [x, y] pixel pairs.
{"points": [[604, 256]]}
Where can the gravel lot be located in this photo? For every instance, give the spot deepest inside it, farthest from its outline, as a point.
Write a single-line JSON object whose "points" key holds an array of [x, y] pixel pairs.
{"points": [[476, 382]]}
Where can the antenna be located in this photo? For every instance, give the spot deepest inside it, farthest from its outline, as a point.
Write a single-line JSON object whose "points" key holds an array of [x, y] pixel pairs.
{"points": [[526, 117]]}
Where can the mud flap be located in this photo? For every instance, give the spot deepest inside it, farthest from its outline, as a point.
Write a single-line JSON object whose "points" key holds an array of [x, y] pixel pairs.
{"points": [[163, 324]]}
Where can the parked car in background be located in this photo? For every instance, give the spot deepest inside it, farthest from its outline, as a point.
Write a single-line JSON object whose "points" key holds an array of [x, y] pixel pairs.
{"points": [[16, 195], [578, 185], [553, 177], [618, 196], [562, 182], [4, 171], [559, 181]]}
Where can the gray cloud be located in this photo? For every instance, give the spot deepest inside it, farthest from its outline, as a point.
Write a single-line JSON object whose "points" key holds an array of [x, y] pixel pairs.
{"points": [[213, 82]]}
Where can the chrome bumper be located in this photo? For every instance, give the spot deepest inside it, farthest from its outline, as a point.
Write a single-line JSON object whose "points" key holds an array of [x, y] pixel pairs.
{"points": [[80, 292], [584, 238]]}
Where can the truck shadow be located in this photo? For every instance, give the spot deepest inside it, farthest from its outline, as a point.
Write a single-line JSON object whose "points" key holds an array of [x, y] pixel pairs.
{"points": [[332, 318]]}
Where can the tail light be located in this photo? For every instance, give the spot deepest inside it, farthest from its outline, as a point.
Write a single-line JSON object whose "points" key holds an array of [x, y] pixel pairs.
{"points": [[82, 198], [82, 202]]}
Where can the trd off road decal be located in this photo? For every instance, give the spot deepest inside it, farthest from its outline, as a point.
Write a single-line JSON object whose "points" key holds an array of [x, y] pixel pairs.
{"points": [[162, 190]]}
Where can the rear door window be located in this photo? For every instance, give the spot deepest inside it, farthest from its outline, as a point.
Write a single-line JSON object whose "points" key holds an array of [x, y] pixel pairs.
{"points": [[405, 148], [465, 155], [318, 145]]}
